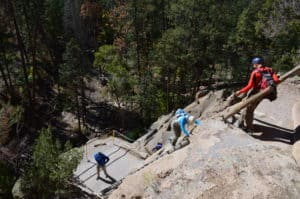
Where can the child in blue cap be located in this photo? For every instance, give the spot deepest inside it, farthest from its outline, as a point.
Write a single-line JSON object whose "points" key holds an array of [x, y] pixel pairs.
{"points": [[179, 124]]}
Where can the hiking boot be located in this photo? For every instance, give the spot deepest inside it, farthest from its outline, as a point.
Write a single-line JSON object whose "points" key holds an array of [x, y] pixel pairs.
{"points": [[249, 131], [241, 124], [244, 128]]}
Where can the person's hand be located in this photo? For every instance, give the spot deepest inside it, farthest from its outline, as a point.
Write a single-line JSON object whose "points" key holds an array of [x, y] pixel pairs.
{"points": [[197, 122], [237, 93]]}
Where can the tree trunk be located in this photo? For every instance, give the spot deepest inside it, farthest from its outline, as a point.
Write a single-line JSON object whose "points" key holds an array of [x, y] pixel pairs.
{"points": [[33, 52], [137, 37], [22, 50], [83, 102], [78, 112], [6, 65], [4, 77]]}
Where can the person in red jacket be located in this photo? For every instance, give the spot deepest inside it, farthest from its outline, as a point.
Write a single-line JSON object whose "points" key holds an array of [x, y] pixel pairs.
{"points": [[260, 78]]}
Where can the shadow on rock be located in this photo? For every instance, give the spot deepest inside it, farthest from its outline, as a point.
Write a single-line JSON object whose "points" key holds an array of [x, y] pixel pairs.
{"points": [[110, 181], [272, 133]]}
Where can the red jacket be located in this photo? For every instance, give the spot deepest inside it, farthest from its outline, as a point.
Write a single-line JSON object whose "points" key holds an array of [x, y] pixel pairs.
{"points": [[256, 77]]}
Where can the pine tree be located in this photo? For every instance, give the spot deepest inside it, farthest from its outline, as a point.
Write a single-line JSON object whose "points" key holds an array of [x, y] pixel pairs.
{"points": [[50, 169], [72, 74]]}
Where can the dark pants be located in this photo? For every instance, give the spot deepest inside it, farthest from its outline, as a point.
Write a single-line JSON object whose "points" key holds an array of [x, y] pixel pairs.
{"points": [[247, 115], [101, 167], [177, 132]]}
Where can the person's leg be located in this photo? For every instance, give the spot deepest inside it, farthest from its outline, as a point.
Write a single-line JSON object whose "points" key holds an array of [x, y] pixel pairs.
{"points": [[98, 170], [185, 141], [177, 132], [104, 170], [250, 115], [246, 118], [241, 120]]}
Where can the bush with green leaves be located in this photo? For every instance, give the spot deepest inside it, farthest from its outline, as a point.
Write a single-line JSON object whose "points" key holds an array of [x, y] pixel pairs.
{"points": [[51, 168], [6, 181]]}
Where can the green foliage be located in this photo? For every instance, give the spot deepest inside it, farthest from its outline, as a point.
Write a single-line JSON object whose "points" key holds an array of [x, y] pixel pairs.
{"points": [[150, 99], [279, 25], [106, 59], [5, 127], [171, 46], [50, 169], [172, 49], [72, 77], [53, 17], [6, 181], [73, 68], [121, 81], [249, 38], [134, 134], [175, 59], [10, 116]]}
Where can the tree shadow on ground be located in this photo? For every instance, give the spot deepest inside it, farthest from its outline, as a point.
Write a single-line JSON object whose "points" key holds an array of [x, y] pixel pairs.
{"points": [[271, 132]]}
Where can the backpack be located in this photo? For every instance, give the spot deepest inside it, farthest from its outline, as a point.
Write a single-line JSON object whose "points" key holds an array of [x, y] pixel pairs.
{"points": [[266, 81]]}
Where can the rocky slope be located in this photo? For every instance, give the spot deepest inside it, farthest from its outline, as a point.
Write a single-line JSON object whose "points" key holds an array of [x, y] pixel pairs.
{"points": [[222, 161]]}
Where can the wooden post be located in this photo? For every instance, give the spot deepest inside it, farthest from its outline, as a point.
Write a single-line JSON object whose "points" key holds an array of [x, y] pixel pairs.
{"points": [[230, 111]]}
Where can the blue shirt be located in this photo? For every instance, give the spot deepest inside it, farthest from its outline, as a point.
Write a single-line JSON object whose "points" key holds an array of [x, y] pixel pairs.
{"points": [[101, 158], [182, 121]]}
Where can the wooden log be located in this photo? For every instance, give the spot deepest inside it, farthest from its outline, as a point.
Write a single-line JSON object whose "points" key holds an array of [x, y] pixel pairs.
{"points": [[294, 71], [230, 111], [132, 150]]}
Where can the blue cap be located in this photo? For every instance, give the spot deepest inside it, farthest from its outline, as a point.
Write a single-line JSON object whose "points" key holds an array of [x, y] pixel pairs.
{"points": [[257, 60], [179, 112]]}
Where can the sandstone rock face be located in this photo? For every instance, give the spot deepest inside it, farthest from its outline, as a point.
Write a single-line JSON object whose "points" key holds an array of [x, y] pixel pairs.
{"points": [[160, 131], [220, 162], [296, 118], [16, 191]]}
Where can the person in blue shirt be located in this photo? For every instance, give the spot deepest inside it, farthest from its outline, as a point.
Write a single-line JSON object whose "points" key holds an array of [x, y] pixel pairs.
{"points": [[101, 160], [179, 124]]}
